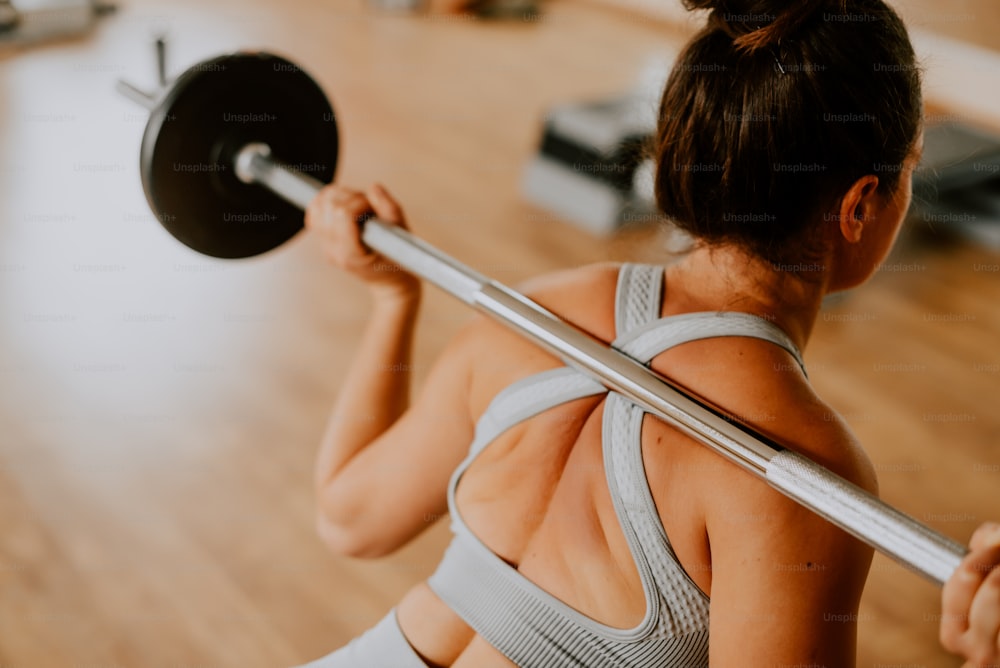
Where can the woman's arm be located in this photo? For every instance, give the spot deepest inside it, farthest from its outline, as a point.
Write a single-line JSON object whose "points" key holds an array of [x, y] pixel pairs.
{"points": [[382, 468], [786, 584], [970, 602]]}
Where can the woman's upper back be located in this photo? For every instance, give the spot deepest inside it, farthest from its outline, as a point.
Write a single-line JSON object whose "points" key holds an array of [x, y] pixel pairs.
{"points": [[538, 496]]}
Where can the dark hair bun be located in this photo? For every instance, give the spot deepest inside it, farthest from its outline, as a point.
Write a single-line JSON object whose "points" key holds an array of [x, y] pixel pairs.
{"points": [[773, 110], [757, 24]]}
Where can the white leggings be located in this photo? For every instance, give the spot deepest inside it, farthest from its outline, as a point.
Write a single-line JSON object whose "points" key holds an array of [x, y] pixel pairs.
{"points": [[382, 646]]}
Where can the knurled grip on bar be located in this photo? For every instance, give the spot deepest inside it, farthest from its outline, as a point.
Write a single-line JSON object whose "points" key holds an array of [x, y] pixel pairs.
{"points": [[891, 532]]}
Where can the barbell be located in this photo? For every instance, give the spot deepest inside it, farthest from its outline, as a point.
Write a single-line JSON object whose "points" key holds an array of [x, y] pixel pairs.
{"points": [[236, 148]]}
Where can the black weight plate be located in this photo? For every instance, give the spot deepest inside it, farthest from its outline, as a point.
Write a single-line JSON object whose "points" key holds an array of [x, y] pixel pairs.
{"points": [[210, 112]]}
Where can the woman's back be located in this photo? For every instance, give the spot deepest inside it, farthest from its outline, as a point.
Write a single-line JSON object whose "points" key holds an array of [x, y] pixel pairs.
{"points": [[538, 495]]}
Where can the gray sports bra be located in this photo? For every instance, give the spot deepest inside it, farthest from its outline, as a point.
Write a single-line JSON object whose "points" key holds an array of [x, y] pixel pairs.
{"points": [[528, 625]]}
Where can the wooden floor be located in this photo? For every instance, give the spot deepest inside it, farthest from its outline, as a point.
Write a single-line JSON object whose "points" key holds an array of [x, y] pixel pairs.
{"points": [[159, 411], [972, 21]]}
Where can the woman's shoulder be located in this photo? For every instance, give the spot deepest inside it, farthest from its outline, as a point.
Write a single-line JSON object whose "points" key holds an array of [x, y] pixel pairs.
{"points": [[573, 278], [583, 296], [497, 356], [760, 384]]}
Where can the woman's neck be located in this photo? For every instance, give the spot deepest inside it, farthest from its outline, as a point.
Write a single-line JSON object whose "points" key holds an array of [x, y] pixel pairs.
{"points": [[728, 278]]}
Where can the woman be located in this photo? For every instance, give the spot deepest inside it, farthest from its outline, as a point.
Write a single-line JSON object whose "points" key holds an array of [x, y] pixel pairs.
{"points": [[586, 535]]}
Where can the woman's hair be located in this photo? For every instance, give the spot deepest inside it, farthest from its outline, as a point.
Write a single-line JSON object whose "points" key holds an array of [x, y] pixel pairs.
{"points": [[774, 109]]}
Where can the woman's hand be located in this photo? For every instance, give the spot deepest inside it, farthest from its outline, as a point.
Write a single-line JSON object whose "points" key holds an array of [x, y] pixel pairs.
{"points": [[336, 214], [970, 602]]}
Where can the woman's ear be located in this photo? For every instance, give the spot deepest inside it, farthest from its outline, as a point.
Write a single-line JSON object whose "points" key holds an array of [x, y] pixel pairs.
{"points": [[858, 207]]}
